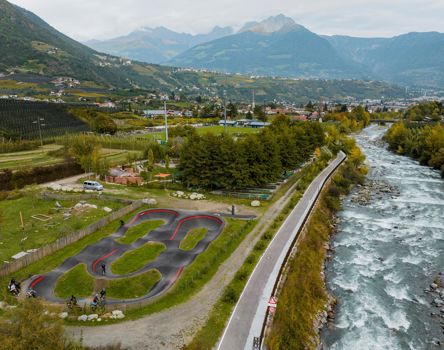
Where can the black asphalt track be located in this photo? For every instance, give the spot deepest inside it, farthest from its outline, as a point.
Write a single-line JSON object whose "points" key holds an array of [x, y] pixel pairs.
{"points": [[170, 263]]}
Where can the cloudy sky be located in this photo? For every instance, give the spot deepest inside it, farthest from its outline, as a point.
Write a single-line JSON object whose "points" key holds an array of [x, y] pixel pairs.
{"points": [[101, 19]]}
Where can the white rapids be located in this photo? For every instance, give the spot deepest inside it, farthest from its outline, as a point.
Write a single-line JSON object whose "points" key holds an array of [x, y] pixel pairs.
{"points": [[386, 253]]}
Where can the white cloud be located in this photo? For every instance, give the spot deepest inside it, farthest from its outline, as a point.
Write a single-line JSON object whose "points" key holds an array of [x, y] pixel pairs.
{"points": [[99, 19]]}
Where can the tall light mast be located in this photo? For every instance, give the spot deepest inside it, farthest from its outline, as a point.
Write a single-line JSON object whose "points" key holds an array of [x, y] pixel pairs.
{"points": [[225, 110], [166, 118]]}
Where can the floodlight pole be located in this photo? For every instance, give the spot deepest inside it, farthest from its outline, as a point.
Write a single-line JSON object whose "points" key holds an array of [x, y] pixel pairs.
{"points": [[225, 111], [166, 119]]}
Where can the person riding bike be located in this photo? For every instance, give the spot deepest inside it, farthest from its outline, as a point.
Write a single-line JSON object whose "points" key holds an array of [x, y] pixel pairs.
{"points": [[72, 302]]}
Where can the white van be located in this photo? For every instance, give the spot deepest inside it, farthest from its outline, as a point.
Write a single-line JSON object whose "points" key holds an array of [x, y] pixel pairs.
{"points": [[92, 185]]}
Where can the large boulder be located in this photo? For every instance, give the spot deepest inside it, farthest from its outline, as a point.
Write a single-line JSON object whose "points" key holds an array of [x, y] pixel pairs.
{"points": [[255, 204], [63, 315], [93, 317], [83, 318], [149, 201], [117, 314]]}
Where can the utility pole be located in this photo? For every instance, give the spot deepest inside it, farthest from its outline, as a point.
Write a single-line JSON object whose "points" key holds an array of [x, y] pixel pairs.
{"points": [[38, 122], [166, 119]]}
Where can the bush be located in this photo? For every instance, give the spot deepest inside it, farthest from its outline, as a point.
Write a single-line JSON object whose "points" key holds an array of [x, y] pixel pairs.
{"points": [[230, 296], [15, 180]]}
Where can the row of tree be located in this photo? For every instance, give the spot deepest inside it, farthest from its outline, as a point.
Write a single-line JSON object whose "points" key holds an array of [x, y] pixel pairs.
{"points": [[423, 142], [352, 121], [213, 162]]}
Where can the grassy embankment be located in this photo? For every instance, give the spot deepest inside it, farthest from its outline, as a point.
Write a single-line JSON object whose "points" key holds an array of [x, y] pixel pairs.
{"points": [[135, 259], [137, 231], [36, 233], [80, 283], [192, 238], [76, 281], [208, 335], [31, 158], [303, 294]]}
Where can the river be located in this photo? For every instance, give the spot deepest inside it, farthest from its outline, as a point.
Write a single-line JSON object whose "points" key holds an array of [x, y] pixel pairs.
{"points": [[387, 252]]}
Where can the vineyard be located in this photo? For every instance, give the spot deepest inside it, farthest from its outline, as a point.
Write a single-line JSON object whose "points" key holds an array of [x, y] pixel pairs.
{"points": [[20, 120]]}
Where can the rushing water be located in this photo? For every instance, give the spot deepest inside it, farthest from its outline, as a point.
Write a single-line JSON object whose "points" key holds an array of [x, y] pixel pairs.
{"points": [[386, 254]]}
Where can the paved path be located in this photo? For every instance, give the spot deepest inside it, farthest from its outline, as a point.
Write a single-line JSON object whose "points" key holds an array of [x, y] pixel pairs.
{"points": [[248, 317], [173, 328]]}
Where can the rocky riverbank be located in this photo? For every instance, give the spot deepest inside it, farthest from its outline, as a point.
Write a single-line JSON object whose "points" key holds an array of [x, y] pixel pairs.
{"points": [[372, 190], [436, 293]]}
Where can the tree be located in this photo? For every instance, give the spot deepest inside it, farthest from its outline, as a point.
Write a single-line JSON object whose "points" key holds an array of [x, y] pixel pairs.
{"points": [[104, 124], [309, 106], [84, 152], [249, 115], [232, 111], [259, 113], [150, 162], [29, 327], [167, 162]]}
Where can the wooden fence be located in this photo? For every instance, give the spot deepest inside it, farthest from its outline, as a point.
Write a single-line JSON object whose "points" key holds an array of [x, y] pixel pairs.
{"points": [[62, 242]]}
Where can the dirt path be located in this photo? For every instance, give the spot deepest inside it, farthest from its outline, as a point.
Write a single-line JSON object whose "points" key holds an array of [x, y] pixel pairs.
{"points": [[71, 181], [173, 328]]}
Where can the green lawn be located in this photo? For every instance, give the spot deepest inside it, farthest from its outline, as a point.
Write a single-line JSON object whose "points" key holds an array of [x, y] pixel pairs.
{"points": [[26, 159], [134, 287], [116, 156], [14, 239], [232, 130], [193, 237], [77, 282], [135, 259], [140, 230]]}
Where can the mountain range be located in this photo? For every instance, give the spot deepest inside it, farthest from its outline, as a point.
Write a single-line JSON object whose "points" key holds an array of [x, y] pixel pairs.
{"points": [[155, 45], [280, 47], [31, 47]]}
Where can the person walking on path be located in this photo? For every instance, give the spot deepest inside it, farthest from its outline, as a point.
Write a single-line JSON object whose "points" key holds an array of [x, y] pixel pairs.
{"points": [[103, 266]]}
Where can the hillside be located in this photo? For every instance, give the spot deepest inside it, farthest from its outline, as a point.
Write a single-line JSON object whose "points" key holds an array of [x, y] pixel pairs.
{"points": [[271, 48], [155, 45], [30, 46], [278, 46], [413, 58]]}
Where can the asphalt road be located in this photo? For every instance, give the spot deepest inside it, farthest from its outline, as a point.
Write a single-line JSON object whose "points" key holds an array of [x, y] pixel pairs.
{"points": [[248, 317]]}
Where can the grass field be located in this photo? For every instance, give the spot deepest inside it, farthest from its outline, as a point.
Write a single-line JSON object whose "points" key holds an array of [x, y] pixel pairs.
{"points": [[26, 159], [77, 282], [117, 157], [193, 237], [140, 230], [135, 259], [232, 130], [35, 233], [134, 287], [41, 157]]}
